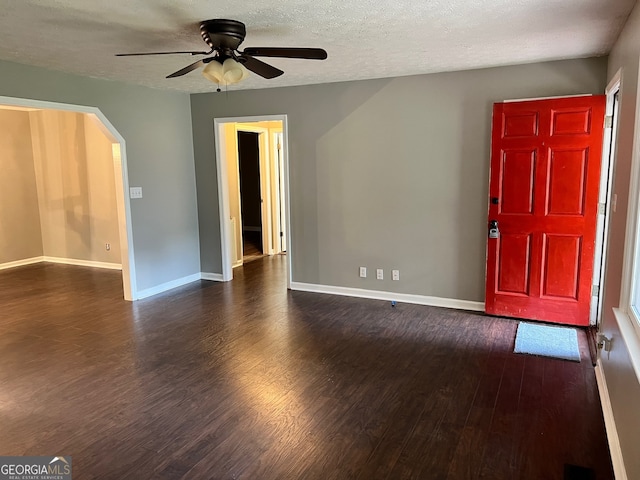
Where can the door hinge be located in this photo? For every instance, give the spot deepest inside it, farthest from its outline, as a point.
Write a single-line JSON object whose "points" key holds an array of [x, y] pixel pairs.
{"points": [[608, 121], [602, 208], [281, 235], [595, 290]]}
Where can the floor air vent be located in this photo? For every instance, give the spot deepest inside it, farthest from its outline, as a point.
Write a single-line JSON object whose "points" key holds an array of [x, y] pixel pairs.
{"points": [[574, 472]]}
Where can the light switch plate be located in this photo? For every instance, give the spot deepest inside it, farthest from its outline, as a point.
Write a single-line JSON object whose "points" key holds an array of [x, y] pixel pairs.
{"points": [[135, 192]]}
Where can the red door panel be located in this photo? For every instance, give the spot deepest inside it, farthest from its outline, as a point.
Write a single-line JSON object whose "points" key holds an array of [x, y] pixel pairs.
{"points": [[567, 182], [516, 182], [544, 180], [513, 267], [570, 121], [522, 124], [560, 269]]}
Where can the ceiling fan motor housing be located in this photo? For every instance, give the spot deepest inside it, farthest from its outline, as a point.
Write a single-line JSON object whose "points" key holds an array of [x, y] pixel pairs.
{"points": [[223, 34]]}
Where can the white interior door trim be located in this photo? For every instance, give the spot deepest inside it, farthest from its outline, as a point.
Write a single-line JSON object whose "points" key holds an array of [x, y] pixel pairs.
{"points": [[604, 198], [281, 189], [277, 202]]}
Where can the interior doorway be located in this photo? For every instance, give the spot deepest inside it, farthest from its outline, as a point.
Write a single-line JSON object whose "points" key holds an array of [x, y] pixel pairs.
{"points": [[70, 206], [252, 166], [250, 195]]}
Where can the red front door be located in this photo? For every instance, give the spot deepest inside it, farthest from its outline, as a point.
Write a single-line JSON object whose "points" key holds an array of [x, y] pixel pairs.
{"points": [[543, 194]]}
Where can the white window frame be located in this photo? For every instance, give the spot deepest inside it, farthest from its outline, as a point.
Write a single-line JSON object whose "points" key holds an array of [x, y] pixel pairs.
{"points": [[630, 291], [628, 314]]}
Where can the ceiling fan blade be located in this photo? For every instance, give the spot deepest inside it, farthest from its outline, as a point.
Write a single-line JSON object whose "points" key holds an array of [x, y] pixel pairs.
{"points": [[187, 69], [308, 53], [159, 53], [259, 67]]}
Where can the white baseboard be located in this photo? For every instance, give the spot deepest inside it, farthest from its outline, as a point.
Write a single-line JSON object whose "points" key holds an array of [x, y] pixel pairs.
{"points": [[390, 296], [617, 460], [65, 261], [21, 263], [216, 277], [82, 263], [163, 287]]}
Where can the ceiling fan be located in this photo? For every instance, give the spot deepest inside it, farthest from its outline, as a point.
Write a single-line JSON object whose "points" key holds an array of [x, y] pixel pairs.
{"points": [[225, 64]]}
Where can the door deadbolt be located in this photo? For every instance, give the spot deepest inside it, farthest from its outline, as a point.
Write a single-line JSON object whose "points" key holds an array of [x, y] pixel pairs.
{"points": [[494, 231]]}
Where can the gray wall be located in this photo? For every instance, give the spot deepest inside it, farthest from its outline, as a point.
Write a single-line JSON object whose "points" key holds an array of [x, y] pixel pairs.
{"points": [[389, 173], [20, 234], [622, 380], [156, 126]]}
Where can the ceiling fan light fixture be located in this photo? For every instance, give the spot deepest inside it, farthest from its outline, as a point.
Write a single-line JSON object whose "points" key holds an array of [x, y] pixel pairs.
{"points": [[233, 72], [213, 72], [229, 72]]}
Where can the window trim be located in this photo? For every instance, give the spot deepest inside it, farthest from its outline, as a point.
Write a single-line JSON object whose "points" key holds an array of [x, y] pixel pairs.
{"points": [[627, 316], [631, 259]]}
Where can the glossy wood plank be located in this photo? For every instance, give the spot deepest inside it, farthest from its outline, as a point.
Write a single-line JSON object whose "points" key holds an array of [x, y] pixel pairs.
{"points": [[246, 380]]}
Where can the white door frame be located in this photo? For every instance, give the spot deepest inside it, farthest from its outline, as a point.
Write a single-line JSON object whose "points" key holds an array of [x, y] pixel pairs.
{"points": [[129, 284], [604, 197], [226, 239], [277, 188]]}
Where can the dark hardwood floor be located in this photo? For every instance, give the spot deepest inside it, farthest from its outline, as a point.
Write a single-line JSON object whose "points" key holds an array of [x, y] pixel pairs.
{"points": [[246, 380], [251, 246]]}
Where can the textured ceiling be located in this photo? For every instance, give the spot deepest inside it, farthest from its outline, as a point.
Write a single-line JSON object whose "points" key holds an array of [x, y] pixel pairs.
{"points": [[364, 38]]}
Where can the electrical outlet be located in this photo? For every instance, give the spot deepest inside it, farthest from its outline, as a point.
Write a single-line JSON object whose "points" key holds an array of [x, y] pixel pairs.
{"points": [[107, 246], [379, 274], [363, 272], [395, 274]]}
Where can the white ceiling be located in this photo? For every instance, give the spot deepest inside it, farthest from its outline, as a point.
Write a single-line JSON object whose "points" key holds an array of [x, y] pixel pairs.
{"points": [[364, 38]]}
